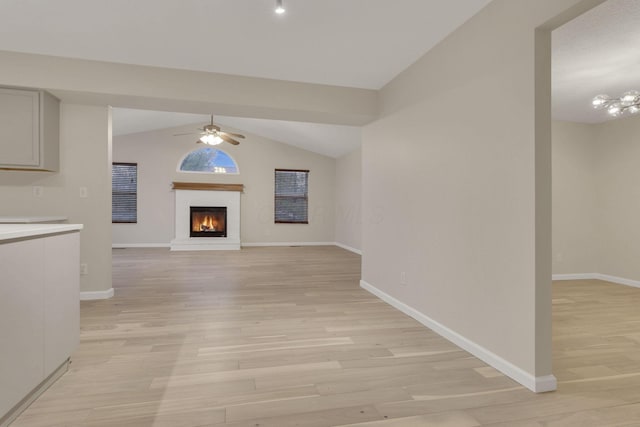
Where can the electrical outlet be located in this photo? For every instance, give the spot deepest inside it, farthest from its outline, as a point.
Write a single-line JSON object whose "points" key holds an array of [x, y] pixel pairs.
{"points": [[38, 191], [403, 278], [84, 192], [84, 269]]}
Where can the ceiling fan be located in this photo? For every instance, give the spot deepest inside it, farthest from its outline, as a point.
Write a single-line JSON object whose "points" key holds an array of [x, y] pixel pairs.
{"points": [[212, 135]]}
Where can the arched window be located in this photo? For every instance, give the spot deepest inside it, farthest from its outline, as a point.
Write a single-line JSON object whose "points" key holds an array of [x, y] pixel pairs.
{"points": [[208, 160]]}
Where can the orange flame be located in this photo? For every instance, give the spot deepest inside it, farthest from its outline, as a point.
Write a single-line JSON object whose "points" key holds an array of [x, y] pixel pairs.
{"points": [[205, 223]]}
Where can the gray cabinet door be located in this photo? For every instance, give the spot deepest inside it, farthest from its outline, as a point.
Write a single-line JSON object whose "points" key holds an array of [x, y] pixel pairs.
{"points": [[19, 128]]}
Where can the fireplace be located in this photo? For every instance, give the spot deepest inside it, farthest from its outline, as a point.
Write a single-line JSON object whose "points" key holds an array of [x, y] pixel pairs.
{"points": [[199, 195], [208, 221]]}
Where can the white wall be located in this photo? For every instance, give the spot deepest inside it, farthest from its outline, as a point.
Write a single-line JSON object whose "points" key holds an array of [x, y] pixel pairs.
{"points": [[348, 190], [462, 155], [575, 208], [158, 153], [85, 148]]}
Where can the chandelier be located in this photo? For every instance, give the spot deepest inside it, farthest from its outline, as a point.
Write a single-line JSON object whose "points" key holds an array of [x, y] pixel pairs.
{"points": [[629, 102]]}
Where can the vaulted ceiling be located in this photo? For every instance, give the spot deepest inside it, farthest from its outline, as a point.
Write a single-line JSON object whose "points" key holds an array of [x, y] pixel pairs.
{"points": [[356, 43]]}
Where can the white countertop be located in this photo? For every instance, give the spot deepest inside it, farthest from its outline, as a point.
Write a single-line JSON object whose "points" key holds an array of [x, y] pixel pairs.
{"points": [[16, 231], [30, 219]]}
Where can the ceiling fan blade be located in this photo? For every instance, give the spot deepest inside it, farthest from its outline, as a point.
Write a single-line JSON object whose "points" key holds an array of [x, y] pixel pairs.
{"points": [[228, 139], [237, 135], [188, 133]]}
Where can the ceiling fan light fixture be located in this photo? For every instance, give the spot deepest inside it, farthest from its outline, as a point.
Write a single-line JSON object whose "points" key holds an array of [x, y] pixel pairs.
{"points": [[280, 8], [211, 134], [211, 139]]}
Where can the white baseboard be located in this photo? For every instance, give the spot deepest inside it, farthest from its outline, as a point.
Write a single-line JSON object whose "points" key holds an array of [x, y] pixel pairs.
{"points": [[96, 295], [140, 245], [598, 276], [349, 248], [288, 244], [580, 276], [265, 244], [206, 244], [536, 384], [618, 280]]}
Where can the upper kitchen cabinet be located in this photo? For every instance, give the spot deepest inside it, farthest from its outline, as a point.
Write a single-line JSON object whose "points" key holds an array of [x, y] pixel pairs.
{"points": [[29, 130]]}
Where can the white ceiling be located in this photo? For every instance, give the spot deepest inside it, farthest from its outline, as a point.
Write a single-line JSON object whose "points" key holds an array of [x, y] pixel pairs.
{"points": [[329, 140], [598, 52], [126, 121], [358, 43]]}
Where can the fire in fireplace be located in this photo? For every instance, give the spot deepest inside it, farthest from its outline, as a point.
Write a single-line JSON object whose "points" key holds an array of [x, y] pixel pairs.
{"points": [[208, 221]]}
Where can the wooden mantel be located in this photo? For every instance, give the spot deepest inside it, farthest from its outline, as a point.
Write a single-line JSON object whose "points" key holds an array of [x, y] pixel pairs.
{"points": [[207, 186]]}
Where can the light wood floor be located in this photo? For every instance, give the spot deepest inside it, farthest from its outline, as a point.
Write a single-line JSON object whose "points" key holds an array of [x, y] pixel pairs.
{"points": [[278, 337]]}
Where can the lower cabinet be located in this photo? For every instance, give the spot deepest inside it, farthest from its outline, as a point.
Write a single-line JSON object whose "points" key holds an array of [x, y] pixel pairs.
{"points": [[39, 311], [61, 299]]}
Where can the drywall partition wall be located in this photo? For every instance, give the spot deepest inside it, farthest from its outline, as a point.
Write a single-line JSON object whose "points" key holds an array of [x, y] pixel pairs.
{"points": [[348, 190], [618, 193], [152, 88], [467, 248], [84, 164], [576, 240], [157, 154]]}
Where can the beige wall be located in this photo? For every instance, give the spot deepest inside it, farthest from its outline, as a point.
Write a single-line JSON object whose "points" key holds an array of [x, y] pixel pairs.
{"points": [[85, 148], [81, 82], [152, 88], [618, 192], [158, 153], [462, 152], [596, 198], [575, 208], [348, 200]]}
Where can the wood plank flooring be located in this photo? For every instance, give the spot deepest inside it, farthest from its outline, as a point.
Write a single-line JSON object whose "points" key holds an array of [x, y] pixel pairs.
{"points": [[279, 337]]}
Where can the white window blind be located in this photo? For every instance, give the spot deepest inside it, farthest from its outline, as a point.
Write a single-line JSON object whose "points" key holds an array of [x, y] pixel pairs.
{"points": [[292, 196], [124, 189]]}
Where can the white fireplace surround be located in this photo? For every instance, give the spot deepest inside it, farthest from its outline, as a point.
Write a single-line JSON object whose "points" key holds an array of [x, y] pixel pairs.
{"points": [[187, 198]]}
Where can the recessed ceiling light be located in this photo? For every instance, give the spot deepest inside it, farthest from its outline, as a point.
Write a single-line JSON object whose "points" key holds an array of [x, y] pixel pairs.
{"points": [[279, 7]]}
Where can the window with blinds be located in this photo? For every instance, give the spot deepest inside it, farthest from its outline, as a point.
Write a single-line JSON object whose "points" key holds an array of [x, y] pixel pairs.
{"points": [[124, 192], [292, 196]]}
